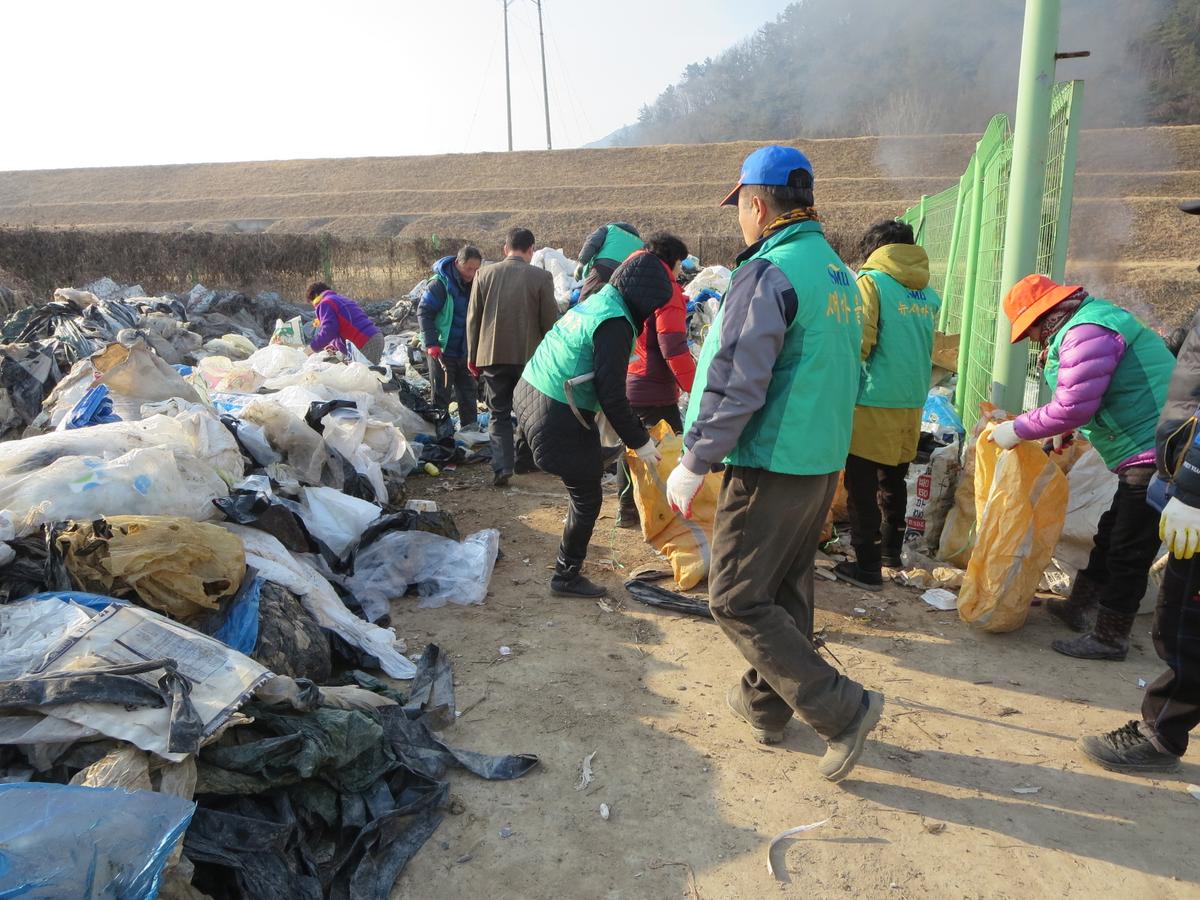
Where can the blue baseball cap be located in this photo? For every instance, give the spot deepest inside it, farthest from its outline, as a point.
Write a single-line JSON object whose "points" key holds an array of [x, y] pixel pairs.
{"points": [[769, 165]]}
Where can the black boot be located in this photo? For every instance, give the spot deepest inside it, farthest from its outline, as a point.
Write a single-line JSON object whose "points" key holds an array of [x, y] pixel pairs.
{"points": [[855, 574], [628, 518], [1108, 639], [568, 581], [1077, 610], [1127, 749]]}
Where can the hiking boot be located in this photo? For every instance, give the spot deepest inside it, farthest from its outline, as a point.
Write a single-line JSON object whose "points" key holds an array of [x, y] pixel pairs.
{"points": [[501, 478], [628, 518], [1108, 639], [854, 574], [1077, 610], [762, 735], [1127, 749], [568, 585], [845, 749], [891, 562]]}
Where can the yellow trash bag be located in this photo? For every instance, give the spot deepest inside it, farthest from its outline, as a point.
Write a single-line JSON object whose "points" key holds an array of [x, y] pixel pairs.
{"points": [[958, 533], [686, 543], [1020, 502], [172, 565]]}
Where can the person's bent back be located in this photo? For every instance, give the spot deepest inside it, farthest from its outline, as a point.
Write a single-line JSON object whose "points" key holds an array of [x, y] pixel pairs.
{"points": [[341, 322]]}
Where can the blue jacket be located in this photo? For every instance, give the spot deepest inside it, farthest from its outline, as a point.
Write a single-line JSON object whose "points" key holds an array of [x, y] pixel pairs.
{"points": [[434, 299]]}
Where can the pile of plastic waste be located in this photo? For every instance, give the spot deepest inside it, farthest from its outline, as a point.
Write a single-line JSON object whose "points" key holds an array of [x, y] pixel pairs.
{"points": [[204, 548]]}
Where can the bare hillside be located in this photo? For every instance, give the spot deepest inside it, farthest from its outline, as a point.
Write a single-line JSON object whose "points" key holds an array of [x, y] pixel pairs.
{"points": [[1126, 235]]}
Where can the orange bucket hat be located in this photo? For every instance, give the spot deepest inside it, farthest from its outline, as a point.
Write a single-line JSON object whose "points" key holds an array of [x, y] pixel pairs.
{"points": [[1030, 299]]}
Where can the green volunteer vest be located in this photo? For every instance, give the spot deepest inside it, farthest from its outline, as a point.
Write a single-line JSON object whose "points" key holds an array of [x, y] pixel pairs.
{"points": [[445, 318], [618, 244], [1128, 414], [567, 350], [804, 426], [896, 374]]}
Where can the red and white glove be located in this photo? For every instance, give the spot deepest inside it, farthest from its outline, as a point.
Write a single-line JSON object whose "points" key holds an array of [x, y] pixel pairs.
{"points": [[475, 371], [682, 487], [434, 352]]}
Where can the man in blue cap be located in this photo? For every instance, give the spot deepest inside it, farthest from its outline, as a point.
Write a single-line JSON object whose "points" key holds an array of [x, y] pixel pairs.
{"points": [[773, 403]]}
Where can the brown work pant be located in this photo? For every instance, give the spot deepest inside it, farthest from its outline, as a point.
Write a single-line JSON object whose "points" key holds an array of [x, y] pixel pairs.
{"points": [[761, 594]]}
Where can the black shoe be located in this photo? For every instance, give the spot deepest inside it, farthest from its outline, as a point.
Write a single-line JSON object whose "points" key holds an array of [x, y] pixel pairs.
{"points": [[500, 479], [628, 518], [891, 562], [576, 586], [845, 749], [1127, 750], [850, 572]]}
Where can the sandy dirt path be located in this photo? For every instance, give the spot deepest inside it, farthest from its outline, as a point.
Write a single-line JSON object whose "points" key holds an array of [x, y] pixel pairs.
{"points": [[931, 811]]}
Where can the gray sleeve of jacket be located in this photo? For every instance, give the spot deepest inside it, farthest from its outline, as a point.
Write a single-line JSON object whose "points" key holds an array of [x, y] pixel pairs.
{"points": [[592, 245], [759, 307]]}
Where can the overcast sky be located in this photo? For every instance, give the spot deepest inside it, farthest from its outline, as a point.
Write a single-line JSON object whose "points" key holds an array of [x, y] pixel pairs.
{"points": [[125, 82]]}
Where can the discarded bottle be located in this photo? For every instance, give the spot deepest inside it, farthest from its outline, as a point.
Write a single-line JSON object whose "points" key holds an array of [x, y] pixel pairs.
{"points": [[431, 469]]}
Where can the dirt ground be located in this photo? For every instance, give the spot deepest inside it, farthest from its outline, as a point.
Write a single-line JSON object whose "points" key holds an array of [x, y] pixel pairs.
{"points": [[972, 786]]}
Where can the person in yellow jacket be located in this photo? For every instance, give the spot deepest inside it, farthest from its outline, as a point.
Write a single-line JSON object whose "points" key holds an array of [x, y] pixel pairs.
{"points": [[900, 312]]}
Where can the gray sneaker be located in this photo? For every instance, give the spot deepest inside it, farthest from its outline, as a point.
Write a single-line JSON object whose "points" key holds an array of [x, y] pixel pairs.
{"points": [[1127, 749], [845, 749], [762, 735]]}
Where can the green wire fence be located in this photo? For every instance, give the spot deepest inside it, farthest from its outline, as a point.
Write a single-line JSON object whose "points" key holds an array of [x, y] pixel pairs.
{"points": [[962, 230]]}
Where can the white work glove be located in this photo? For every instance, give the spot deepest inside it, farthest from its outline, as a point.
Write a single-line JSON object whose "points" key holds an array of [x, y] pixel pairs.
{"points": [[682, 487], [1004, 435], [1180, 528], [648, 453]]}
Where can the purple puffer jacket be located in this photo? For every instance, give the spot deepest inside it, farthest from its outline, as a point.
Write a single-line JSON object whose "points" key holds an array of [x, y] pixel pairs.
{"points": [[1087, 358]]}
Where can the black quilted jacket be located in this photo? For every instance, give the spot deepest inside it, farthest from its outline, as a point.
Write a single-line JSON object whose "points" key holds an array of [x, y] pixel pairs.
{"points": [[560, 444]]}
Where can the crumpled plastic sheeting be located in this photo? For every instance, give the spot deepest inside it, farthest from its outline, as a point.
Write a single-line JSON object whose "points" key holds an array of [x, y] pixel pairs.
{"points": [[317, 595], [30, 628], [328, 803], [444, 571], [164, 465], [1021, 499], [134, 375], [290, 642], [173, 565], [336, 519], [129, 836]]}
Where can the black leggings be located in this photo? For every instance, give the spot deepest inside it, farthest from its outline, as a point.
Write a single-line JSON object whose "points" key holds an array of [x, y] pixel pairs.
{"points": [[586, 498]]}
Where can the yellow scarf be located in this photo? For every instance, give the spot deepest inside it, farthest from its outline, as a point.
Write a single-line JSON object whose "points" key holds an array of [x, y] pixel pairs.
{"points": [[803, 214]]}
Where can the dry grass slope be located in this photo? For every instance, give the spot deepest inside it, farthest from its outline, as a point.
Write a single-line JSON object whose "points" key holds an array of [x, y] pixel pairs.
{"points": [[1126, 235]]}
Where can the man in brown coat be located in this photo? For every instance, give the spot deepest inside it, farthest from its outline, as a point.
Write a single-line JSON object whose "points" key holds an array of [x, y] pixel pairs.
{"points": [[512, 308]]}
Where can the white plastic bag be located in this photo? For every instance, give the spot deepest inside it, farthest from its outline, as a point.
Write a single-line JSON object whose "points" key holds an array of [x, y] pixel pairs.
{"points": [[276, 360], [29, 628], [445, 571], [274, 563], [334, 518], [713, 278]]}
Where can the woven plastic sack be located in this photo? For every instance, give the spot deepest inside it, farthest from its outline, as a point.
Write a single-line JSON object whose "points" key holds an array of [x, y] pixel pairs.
{"points": [[686, 543], [1021, 499], [289, 333]]}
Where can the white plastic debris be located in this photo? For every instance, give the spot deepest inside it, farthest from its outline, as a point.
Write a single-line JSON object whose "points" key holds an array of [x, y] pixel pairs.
{"points": [[799, 829], [940, 598], [1026, 790], [505, 651], [604, 811], [1194, 791], [585, 771]]}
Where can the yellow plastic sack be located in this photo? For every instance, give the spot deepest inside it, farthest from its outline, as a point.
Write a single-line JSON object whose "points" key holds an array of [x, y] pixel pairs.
{"points": [[686, 543], [1020, 499], [958, 534], [173, 565]]}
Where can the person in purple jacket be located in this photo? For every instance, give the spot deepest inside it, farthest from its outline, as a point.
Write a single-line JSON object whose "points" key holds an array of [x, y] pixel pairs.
{"points": [[341, 321], [1109, 374]]}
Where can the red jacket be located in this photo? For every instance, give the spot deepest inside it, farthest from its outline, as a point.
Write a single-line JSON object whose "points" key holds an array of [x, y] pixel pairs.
{"points": [[662, 364]]}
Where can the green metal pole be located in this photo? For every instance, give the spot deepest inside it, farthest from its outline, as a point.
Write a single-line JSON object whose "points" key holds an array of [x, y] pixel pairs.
{"points": [[974, 227], [1058, 269], [1035, 89]]}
